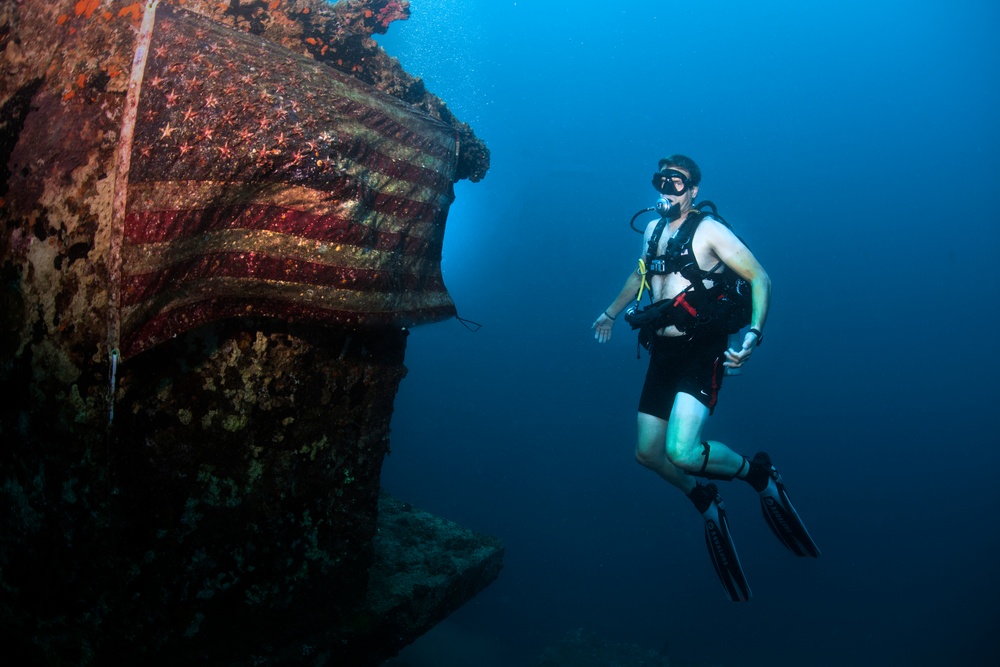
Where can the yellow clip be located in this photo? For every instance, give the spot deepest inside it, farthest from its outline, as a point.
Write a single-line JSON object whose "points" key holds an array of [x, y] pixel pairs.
{"points": [[645, 284]]}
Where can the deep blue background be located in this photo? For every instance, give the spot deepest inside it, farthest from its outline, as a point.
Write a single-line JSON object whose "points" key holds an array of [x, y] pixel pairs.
{"points": [[855, 146]]}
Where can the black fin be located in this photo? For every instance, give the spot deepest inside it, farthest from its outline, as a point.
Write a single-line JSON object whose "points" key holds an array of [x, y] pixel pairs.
{"points": [[723, 551], [782, 517]]}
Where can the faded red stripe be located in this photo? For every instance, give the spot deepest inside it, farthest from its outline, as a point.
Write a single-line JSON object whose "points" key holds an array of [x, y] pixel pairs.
{"points": [[141, 287], [163, 226]]}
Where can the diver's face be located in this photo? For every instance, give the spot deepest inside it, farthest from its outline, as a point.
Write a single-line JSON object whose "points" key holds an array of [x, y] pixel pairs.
{"points": [[675, 185]]}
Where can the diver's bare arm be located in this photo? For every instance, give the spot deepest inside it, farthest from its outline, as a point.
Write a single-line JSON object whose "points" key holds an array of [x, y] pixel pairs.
{"points": [[738, 257], [626, 296], [602, 326]]}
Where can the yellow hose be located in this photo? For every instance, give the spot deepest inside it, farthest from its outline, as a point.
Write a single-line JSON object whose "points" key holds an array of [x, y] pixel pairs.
{"points": [[644, 284]]}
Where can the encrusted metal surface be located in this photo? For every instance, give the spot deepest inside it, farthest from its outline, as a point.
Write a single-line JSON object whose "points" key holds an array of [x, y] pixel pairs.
{"points": [[237, 483]]}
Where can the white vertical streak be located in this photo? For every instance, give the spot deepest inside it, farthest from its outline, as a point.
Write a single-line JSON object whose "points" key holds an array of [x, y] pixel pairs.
{"points": [[123, 162]]}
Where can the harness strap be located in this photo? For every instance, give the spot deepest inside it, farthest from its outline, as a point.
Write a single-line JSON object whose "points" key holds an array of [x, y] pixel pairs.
{"points": [[654, 238], [675, 246]]}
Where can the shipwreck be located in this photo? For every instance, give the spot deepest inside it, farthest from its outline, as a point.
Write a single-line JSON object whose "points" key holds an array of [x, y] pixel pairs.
{"points": [[220, 221]]}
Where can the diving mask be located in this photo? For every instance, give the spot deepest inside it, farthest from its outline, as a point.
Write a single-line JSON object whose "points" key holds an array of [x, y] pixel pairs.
{"points": [[670, 182]]}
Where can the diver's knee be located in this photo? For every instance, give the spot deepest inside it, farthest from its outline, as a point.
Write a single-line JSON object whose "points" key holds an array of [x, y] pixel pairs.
{"points": [[647, 458], [690, 457]]}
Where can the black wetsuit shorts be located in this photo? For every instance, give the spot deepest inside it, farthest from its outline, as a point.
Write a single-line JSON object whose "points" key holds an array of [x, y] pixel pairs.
{"points": [[680, 364]]}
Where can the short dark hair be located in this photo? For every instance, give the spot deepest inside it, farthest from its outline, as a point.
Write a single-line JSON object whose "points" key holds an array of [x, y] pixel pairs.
{"points": [[682, 162]]}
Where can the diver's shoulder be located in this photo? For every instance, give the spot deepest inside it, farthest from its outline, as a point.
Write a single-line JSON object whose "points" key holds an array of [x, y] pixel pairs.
{"points": [[714, 224]]}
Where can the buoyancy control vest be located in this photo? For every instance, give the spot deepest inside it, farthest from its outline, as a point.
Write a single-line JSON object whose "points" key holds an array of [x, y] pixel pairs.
{"points": [[724, 307]]}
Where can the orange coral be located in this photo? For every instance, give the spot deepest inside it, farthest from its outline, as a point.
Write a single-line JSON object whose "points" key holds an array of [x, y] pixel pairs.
{"points": [[87, 7], [135, 9]]}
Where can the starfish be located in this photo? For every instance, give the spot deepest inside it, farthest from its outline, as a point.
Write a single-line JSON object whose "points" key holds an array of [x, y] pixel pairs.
{"points": [[190, 114], [262, 154], [171, 98], [167, 131], [186, 148]]}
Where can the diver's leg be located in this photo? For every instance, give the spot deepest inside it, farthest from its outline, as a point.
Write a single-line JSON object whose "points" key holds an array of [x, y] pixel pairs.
{"points": [[712, 459], [685, 424], [686, 449], [650, 451]]}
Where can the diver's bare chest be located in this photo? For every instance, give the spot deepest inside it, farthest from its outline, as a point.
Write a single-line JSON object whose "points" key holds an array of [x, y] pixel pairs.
{"points": [[666, 286]]}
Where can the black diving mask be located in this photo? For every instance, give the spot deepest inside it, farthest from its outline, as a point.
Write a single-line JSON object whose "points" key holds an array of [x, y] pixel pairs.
{"points": [[665, 184]]}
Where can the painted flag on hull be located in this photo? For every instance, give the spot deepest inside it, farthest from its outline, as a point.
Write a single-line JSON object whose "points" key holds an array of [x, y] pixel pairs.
{"points": [[264, 183]]}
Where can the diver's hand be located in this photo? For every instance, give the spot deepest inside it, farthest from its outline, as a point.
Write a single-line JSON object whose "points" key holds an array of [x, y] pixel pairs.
{"points": [[602, 328], [737, 358]]}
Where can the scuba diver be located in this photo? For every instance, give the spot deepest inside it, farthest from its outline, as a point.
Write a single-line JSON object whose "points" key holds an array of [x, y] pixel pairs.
{"points": [[686, 331]]}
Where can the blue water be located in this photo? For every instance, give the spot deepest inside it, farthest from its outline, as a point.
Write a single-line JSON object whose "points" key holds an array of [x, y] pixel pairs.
{"points": [[855, 146]]}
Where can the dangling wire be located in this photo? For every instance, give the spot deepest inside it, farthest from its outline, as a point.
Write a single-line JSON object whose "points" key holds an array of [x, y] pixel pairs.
{"points": [[476, 326], [115, 354]]}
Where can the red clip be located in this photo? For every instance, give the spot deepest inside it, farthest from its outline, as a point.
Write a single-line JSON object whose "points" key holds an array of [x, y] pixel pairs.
{"points": [[681, 301]]}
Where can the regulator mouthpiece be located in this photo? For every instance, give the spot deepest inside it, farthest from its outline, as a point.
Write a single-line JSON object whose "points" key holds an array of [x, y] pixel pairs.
{"points": [[666, 209]]}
